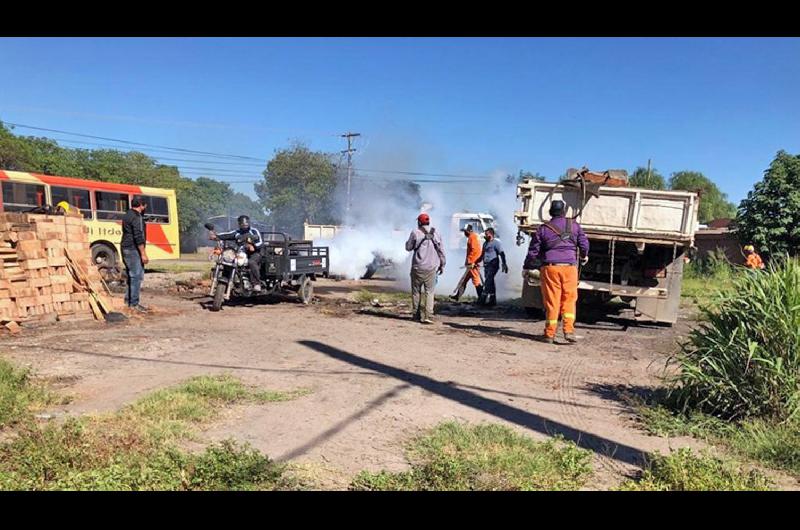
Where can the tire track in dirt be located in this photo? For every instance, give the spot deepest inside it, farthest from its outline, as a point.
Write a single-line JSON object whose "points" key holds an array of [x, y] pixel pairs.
{"points": [[574, 415]]}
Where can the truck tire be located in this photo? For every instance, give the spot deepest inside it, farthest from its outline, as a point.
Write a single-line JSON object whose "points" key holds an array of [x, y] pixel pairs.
{"points": [[306, 290], [219, 296]]}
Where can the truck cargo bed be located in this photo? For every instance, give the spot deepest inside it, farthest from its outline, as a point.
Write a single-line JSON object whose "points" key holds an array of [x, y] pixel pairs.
{"points": [[624, 214]]}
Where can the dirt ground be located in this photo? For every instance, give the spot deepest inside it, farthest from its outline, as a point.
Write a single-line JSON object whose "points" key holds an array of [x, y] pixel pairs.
{"points": [[376, 378]]}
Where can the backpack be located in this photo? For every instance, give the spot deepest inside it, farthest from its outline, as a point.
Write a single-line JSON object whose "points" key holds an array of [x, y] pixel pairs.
{"points": [[428, 237]]}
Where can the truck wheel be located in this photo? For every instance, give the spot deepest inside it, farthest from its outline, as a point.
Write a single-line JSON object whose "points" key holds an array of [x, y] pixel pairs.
{"points": [[306, 290], [219, 296], [104, 256]]}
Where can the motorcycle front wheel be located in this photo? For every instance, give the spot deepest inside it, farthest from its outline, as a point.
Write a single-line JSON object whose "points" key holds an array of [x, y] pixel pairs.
{"points": [[219, 296]]}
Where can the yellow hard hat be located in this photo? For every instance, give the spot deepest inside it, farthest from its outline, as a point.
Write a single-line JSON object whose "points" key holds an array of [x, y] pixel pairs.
{"points": [[64, 205], [749, 248]]}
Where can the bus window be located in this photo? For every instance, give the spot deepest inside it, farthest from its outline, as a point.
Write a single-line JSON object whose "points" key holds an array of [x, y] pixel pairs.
{"points": [[110, 206], [156, 211], [75, 197], [20, 197]]}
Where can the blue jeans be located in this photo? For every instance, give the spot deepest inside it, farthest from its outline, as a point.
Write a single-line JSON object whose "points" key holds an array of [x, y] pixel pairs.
{"points": [[134, 269]]}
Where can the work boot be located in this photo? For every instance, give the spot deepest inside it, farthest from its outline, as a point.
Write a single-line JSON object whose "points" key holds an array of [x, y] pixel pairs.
{"points": [[570, 337], [257, 288], [426, 320], [481, 296], [491, 300], [546, 339], [139, 308], [454, 297]]}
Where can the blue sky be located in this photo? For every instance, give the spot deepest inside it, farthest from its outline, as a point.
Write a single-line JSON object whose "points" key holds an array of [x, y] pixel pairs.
{"points": [[460, 106]]}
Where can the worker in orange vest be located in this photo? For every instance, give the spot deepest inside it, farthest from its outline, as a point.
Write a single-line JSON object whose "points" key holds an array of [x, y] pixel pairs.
{"points": [[474, 251], [752, 259]]}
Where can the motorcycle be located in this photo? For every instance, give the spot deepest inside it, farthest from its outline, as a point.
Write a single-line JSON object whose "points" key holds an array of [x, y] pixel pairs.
{"points": [[231, 273]]}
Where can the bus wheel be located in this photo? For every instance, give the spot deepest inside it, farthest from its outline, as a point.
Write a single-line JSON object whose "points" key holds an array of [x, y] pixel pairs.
{"points": [[104, 256]]}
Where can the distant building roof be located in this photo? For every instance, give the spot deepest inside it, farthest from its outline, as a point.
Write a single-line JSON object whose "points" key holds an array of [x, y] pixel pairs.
{"points": [[720, 223]]}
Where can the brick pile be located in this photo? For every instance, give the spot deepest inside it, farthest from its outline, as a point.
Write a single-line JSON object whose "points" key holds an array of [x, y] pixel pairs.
{"points": [[36, 281]]}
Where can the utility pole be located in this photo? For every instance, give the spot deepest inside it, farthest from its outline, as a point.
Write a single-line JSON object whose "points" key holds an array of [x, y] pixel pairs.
{"points": [[648, 171], [349, 151]]}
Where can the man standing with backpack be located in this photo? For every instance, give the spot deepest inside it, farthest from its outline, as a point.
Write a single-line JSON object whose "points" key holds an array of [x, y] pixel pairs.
{"points": [[428, 261], [555, 246]]}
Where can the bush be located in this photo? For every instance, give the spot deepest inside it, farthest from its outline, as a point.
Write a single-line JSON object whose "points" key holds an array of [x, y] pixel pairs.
{"points": [[743, 360]]}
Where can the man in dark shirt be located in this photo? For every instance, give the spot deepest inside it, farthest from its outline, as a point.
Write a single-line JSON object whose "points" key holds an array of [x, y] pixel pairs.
{"points": [[134, 254], [491, 257]]}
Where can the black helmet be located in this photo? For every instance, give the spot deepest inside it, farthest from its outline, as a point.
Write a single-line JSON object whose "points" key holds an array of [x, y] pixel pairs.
{"points": [[557, 208], [244, 222]]}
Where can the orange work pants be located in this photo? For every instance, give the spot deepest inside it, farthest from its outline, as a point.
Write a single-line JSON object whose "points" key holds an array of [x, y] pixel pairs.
{"points": [[560, 296], [476, 276]]}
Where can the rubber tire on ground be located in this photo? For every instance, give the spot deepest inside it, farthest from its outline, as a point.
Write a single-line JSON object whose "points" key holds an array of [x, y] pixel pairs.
{"points": [[219, 296], [371, 270], [107, 254], [306, 290]]}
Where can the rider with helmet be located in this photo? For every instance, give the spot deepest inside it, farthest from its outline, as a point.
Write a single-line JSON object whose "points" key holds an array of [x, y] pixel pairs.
{"points": [[253, 244]]}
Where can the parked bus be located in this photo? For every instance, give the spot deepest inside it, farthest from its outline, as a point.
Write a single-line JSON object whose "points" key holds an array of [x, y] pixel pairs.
{"points": [[103, 204]]}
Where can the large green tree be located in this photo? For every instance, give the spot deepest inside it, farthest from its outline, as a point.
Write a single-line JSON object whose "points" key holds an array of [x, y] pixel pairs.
{"points": [[299, 185], [652, 180], [769, 217], [714, 203]]}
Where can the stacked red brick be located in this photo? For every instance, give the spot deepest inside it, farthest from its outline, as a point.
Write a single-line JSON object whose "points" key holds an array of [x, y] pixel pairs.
{"points": [[34, 278]]}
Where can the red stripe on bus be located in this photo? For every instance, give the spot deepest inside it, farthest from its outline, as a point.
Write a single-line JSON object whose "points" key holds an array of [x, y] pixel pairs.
{"points": [[3, 175], [87, 184], [154, 233]]}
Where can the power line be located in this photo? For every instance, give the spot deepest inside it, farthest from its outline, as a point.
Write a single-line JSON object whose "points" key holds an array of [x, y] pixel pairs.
{"points": [[147, 150], [260, 162], [423, 174], [129, 142]]}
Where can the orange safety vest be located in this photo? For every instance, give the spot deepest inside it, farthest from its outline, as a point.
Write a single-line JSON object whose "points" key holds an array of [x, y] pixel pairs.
{"points": [[754, 261]]}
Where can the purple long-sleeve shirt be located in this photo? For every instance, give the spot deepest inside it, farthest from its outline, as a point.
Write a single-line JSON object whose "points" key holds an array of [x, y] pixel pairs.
{"points": [[548, 247]]}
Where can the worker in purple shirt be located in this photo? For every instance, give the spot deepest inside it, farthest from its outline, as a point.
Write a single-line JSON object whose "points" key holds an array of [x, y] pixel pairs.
{"points": [[557, 245]]}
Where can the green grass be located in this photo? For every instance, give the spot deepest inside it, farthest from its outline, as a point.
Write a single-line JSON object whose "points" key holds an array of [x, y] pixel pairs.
{"points": [[775, 445], [19, 395], [137, 448], [682, 470], [455, 456]]}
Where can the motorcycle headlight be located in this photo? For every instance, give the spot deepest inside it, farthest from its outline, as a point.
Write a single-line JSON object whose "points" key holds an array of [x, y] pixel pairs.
{"points": [[229, 255], [241, 259]]}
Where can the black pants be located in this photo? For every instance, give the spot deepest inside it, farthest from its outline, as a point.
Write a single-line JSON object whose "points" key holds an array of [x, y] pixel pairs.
{"points": [[254, 263], [492, 267]]}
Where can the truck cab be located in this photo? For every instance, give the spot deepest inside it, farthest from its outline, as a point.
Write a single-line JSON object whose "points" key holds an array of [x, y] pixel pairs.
{"points": [[479, 221]]}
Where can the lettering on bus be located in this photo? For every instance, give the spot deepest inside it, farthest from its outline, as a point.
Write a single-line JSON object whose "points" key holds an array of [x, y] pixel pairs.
{"points": [[105, 231]]}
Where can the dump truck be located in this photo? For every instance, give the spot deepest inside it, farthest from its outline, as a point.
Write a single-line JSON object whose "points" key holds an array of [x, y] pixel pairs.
{"points": [[639, 239]]}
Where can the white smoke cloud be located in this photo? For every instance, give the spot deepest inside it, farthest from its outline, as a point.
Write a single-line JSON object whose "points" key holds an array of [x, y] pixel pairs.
{"points": [[383, 227]]}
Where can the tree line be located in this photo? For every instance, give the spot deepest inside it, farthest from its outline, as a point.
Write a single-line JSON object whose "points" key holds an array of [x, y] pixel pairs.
{"points": [[299, 184]]}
